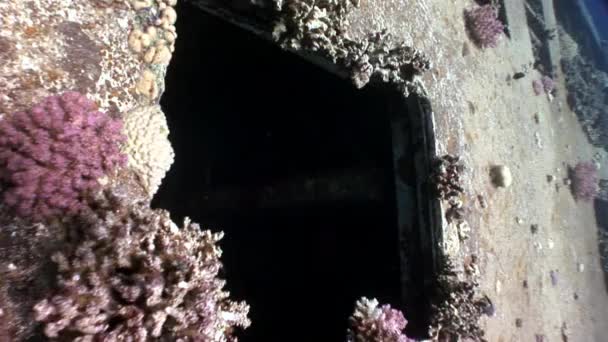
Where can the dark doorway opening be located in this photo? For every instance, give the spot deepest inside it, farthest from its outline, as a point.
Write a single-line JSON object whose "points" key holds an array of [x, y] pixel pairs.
{"points": [[295, 166]]}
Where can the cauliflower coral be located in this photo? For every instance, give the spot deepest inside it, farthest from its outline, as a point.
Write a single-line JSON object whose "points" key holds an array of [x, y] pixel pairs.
{"points": [[484, 25], [54, 153], [129, 274], [371, 323]]}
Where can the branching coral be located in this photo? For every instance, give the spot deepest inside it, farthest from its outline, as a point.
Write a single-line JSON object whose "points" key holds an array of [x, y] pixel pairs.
{"points": [[129, 273], [585, 180], [371, 323], [149, 150], [484, 26], [54, 153]]}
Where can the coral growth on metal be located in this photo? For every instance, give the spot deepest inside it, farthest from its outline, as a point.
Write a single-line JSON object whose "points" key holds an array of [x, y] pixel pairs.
{"points": [[54, 153], [446, 177], [585, 181], [446, 183], [130, 274], [456, 306], [484, 26], [319, 26], [371, 322]]}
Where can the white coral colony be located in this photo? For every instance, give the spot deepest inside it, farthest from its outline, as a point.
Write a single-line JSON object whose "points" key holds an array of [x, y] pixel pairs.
{"points": [[148, 148]]}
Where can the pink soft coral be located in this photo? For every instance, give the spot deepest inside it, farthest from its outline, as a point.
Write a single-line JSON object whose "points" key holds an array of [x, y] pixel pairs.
{"points": [[484, 26], [54, 153], [585, 181]]}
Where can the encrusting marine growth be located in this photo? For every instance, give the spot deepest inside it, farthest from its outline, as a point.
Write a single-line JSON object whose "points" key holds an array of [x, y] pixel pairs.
{"points": [[55, 152], [128, 273]]}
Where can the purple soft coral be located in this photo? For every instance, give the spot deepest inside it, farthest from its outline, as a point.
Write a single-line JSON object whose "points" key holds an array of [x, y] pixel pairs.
{"points": [[585, 181], [484, 26], [545, 84], [54, 153], [370, 323]]}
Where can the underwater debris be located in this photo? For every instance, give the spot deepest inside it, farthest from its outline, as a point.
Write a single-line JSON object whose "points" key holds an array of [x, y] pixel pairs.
{"points": [[501, 176], [484, 26], [54, 153], [584, 181], [371, 323], [127, 271], [456, 307]]}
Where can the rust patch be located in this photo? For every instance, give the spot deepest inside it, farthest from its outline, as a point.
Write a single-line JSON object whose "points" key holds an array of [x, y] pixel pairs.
{"points": [[31, 32], [82, 60]]}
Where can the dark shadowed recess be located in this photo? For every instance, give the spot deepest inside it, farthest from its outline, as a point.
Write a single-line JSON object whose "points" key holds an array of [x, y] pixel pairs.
{"points": [[295, 166]]}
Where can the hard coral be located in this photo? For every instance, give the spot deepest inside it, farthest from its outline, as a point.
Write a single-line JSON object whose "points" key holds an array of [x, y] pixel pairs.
{"points": [[370, 323], [584, 181], [484, 26], [130, 274], [149, 150], [54, 153]]}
